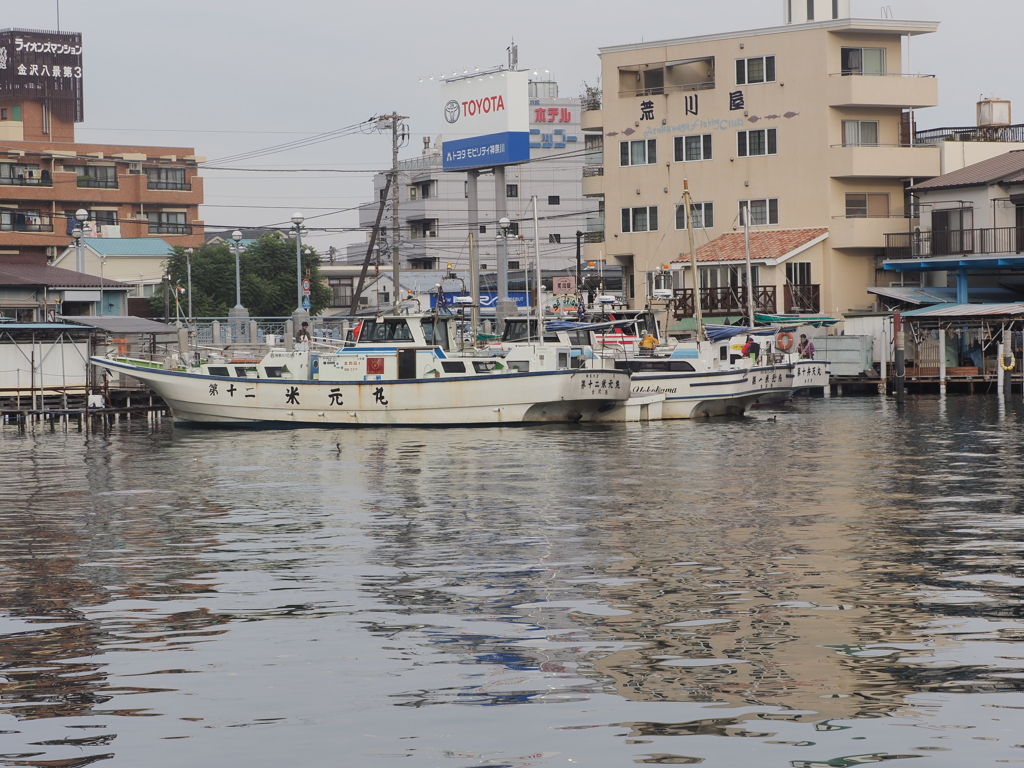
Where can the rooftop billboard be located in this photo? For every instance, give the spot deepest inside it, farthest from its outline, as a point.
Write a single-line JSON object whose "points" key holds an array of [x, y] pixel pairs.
{"points": [[43, 66], [487, 121]]}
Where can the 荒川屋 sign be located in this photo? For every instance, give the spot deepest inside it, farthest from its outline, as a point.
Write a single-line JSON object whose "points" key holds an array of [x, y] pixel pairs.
{"points": [[486, 121]]}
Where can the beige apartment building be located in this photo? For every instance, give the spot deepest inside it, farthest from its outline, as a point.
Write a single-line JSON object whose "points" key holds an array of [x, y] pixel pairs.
{"points": [[808, 125]]}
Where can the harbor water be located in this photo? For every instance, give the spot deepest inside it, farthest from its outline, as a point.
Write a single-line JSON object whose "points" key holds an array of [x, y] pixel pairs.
{"points": [[839, 586]]}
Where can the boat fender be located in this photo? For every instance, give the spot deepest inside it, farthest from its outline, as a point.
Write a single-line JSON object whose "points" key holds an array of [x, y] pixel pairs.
{"points": [[784, 341], [1008, 363]]}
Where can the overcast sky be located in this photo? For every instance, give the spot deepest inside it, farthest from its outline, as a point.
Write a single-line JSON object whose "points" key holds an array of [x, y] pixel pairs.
{"points": [[228, 76]]}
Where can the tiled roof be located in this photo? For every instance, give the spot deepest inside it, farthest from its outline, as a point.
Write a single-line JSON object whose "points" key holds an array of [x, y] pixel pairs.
{"points": [[128, 246], [1005, 167], [764, 245], [51, 277]]}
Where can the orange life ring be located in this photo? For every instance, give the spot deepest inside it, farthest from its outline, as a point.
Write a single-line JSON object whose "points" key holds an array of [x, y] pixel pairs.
{"points": [[784, 341]]}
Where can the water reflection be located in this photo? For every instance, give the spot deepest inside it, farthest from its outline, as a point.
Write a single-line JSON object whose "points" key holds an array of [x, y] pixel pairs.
{"points": [[837, 587]]}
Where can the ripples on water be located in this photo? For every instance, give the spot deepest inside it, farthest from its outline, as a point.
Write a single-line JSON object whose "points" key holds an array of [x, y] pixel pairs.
{"points": [[839, 587]]}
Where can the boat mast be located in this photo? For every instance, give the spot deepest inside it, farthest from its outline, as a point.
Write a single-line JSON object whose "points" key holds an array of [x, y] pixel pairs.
{"points": [[539, 303], [745, 213], [697, 314]]}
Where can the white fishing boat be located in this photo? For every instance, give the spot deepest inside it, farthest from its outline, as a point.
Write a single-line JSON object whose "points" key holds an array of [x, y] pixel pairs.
{"points": [[402, 370]]}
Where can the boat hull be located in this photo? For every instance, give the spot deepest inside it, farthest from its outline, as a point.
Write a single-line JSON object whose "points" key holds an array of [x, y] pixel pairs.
{"points": [[719, 393], [515, 398]]}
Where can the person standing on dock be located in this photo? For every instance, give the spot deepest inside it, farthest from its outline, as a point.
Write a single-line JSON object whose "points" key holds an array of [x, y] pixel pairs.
{"points": [[303, 337], [805, 348]]}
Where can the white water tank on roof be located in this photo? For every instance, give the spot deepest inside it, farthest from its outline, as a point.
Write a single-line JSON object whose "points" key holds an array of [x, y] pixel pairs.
{"points": [[994, 112], [800, 11]]}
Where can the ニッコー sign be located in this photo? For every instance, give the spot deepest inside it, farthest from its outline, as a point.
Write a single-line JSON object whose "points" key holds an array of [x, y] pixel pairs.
{"points": [[43, 66]]}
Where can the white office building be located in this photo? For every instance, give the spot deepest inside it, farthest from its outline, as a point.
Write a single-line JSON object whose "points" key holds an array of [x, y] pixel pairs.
{"points": [[433, 208]]}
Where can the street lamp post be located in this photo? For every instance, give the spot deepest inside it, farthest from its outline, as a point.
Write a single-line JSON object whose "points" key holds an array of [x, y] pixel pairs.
{"points": [[237, 314], [81, 215], [504, 307], [188, 266], [300, 313], [103, 263]]}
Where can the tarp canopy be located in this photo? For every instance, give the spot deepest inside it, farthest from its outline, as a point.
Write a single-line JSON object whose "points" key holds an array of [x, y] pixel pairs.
{"points": [[815, 321], [723, 332]]}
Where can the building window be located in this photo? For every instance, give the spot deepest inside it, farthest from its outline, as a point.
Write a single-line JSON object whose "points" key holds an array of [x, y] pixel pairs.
{"points": [[762, 212], [513, 265], [640, 219], [755, 143], [554, 200], [166, 178], [638, 152], [483, 229], [760, 69], [167, 223], [513, 228], [554, 238], [511, 190], [728, 277], [693, 147], [860, 133], [425, 190], [465, 189], [810, 10], [798, 272], [835, 9], [413, 191], [341, 291], [860, 206], [106, 218], [3, 113], [702, 216], [863, 61]]}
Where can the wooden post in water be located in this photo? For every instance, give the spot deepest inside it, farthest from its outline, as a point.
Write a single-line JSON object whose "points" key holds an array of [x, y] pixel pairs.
{"points": [[1000, 378], [883, 357], [942, 360], [899, 369]]}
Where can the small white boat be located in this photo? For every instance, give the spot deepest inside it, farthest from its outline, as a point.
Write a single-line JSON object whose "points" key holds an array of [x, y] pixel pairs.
{"points": [[403, 370], [696, 379]]}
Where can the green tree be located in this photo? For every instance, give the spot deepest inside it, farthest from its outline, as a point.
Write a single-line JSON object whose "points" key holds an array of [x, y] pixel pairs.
{"points": [[267, 268]]}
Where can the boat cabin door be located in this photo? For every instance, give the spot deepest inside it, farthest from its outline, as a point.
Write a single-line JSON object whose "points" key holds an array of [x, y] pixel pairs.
{"points": [[406, 363]]}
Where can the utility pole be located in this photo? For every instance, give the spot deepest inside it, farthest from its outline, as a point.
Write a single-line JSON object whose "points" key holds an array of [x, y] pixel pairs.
{"points": [[399, 138]]}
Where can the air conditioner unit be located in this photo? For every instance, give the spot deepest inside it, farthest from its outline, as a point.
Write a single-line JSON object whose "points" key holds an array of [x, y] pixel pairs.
{"points": [[135, 167]]}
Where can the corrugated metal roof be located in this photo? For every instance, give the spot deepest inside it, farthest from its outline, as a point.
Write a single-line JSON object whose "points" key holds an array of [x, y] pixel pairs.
{"points": [[968, 310], [1010, 164], [128, 246], [123, 324], [52, 277], [764, 245]]}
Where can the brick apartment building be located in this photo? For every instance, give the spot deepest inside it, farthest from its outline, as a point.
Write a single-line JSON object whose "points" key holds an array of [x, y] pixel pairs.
{"points": [[45, 175]]}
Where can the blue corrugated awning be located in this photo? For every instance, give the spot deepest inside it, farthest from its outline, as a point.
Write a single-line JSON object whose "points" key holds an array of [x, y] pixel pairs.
{"points": [[939, 263], [968, 310]]}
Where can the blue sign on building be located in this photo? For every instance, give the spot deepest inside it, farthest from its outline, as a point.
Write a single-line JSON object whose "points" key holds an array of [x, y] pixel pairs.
{"points": [[486, 151], [487, 299]]}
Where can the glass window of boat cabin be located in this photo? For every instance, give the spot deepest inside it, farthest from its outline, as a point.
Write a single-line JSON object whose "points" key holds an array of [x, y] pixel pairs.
{"points": [[515, 330], [440, 338], [390, 329]]}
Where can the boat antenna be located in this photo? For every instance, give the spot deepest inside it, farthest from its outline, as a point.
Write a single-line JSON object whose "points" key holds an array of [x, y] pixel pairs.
{"points": [[697, 314]]}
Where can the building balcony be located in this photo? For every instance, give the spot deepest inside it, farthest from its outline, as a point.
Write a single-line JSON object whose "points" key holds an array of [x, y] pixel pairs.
{"points": [[899, 91], [26, 223], [90, 182], [1003, 241], [42, 179], [593, 181], [723, 302], [884, 161], [862, 231], [165, 228], [592, 120], [178, 186], [802, 299]]}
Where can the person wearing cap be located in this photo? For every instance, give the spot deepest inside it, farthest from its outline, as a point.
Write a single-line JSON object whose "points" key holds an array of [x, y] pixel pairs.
{"points": [[805, 348]]}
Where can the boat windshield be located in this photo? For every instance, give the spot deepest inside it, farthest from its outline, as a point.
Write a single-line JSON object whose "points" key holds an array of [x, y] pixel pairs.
{"points": [[391, 329], [441, 337]]}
